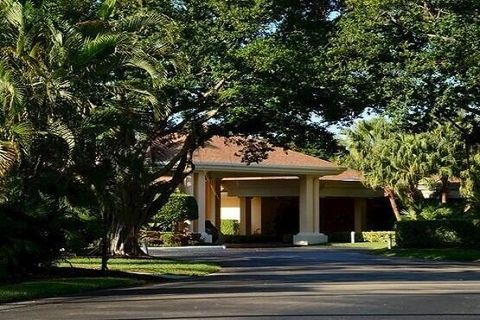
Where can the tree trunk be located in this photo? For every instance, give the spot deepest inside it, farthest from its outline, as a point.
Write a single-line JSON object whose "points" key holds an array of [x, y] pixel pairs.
{"points": [[105, 254], [125, 242], [444, 191], [393, 203]]}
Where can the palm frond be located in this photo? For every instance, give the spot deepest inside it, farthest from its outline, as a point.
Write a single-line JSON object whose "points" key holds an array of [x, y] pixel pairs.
{"points": [[11, 92], [61, 130], [8, 156], [98, 47], [142, 20], [106, 8], [155, 70]]}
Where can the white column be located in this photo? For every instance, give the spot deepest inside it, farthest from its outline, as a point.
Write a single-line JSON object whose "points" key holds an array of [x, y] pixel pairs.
{"points": [[189, 188], [306, 204], [257, 215], [201, 196], [245, 215], [309, 212], [316, 205], [360, 208]]}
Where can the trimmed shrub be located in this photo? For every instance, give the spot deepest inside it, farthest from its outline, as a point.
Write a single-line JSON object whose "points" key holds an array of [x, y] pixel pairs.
{"points": [[437, 234], [180, 207], [365, 236], [376, 236], [230, 227], [170, 239]]}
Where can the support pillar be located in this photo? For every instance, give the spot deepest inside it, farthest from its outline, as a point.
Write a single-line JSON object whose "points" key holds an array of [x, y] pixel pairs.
{"points": [[245, 215], [201, 196], [213, 194], [256, 215], [217, 187], [309, 207], [189, 188], [360, 209]]}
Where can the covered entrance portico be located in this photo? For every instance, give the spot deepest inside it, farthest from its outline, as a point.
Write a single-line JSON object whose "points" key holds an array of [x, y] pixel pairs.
{"points": [[209, 181]]}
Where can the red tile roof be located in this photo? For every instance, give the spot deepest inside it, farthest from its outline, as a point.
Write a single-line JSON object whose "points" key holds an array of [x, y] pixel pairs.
{"points": [[221, 151], [347, 175]]}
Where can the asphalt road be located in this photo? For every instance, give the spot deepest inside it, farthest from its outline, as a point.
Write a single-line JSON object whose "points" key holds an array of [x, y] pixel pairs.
{"points": [[284, 283]]}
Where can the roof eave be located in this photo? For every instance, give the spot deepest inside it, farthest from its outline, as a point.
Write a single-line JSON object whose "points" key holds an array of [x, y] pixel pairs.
{"points": [[268, 169]]}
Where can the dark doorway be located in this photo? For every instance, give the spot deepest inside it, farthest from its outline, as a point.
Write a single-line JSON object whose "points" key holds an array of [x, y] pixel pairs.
{"points": [[337, 215], [280, 216], [379, 215]]}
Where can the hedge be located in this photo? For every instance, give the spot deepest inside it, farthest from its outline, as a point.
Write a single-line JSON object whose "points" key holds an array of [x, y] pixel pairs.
{"points": [[437, 234], [230, 227], [365, 236], [377, 236]]}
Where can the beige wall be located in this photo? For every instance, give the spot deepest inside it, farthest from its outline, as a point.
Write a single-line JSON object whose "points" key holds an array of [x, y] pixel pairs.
{"points": [[230, 208], [290, 188]]}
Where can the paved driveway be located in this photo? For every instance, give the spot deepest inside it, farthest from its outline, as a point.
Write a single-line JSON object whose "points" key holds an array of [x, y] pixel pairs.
{"points": [[285, 283]]}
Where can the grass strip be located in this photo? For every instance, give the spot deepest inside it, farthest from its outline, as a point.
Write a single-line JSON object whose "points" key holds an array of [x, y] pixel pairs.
{"points": [[448, 254], [150, 266]]}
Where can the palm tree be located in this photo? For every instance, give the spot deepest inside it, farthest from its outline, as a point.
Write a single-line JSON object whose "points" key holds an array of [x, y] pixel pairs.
{"points": [[367, 145]]}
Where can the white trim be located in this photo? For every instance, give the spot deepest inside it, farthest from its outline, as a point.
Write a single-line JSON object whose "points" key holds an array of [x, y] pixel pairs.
{"points": [[268, 169]]}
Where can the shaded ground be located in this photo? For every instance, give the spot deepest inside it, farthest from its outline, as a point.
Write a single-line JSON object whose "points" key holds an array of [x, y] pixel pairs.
{"points": [[322, 282]]}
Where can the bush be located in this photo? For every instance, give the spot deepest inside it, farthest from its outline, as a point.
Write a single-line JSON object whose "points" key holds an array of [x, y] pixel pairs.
{"points": [[230, 227], [365, 236], [437, 234], [170, 239], [376, 236], [29, 239], [180, 207]]}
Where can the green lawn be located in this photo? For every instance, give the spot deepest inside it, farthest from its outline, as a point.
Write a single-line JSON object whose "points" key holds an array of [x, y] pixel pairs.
{"points": [[29, 290], [83, 277], [156, 267], [454, 254]]}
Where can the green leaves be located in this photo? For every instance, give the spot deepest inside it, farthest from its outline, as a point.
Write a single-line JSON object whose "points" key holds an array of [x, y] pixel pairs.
{"points": [[391, 158], [413, 59], [106, 9], [97, 49]]}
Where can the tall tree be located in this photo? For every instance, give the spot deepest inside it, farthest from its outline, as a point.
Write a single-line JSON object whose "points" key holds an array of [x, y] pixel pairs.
{"points": [[418, 60], [128, 90]]}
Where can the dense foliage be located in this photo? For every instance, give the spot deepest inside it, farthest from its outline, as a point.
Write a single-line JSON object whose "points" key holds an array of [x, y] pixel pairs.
{"points": [[179, 207], [101, 98], [437, 234], [230, 227], [399, 162]]}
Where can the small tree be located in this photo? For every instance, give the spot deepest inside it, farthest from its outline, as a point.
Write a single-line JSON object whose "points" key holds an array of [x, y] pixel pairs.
{"points": [[179, 207]]}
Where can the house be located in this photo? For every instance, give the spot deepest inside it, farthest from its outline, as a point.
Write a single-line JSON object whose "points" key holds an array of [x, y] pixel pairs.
{"points": [[288, 193]]}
